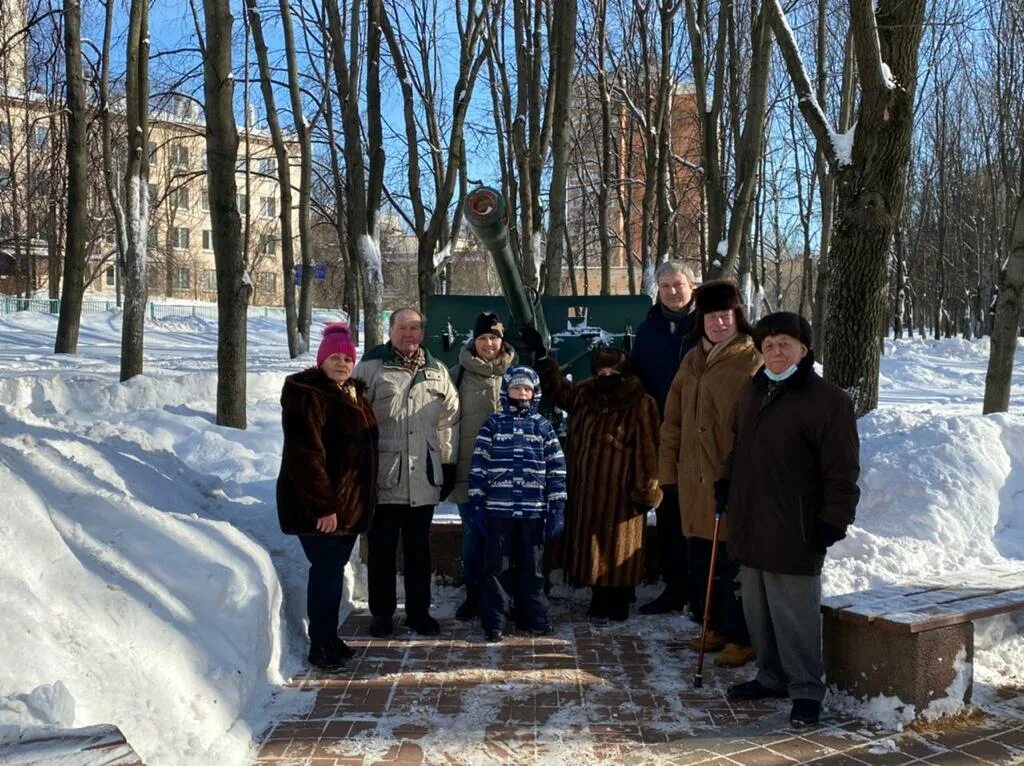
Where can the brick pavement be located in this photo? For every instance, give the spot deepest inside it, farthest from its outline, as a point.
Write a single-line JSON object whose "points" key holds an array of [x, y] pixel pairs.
{"points": [[590, 693]]}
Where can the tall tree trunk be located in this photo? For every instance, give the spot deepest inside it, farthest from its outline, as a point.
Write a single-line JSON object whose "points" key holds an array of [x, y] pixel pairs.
{"points": [[136, 190], [73, 288], [563, 47], [302, 135], [233, 284], [1009, 314], [284, 181]]}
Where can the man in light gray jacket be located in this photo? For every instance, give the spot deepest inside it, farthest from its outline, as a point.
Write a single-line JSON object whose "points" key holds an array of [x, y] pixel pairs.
{"points": [[417, 407]]}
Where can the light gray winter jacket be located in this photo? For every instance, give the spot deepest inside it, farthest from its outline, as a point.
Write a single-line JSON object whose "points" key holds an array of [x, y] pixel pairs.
{"points": [[479, 386], [417, 416]]}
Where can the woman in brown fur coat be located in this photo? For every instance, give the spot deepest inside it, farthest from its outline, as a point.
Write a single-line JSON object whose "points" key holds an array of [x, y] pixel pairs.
{"points": [[612, 457], [325, 490]]}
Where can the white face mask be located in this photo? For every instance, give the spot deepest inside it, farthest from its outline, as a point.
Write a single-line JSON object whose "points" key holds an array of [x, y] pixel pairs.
{"points": [[778, 378]]}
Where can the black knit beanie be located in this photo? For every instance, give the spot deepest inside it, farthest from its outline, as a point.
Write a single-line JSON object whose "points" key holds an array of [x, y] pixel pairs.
{"points": [[488, 322]]}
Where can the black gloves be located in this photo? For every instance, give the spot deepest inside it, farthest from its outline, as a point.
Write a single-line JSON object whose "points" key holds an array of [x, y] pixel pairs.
{"points": [[534, 342], [447, 480], [721, 496], [828, 534]]}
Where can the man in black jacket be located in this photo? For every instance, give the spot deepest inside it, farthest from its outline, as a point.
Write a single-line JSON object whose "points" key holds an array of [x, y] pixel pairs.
{"points": [[791, 491], [660, 345]]}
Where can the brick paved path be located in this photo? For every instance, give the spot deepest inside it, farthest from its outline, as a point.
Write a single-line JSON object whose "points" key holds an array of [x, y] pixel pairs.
{"points": [[591, 693]]}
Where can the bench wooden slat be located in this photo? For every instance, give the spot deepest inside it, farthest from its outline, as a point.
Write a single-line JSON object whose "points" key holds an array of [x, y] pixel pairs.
{"points": [[876, 595], [916, 602], [954, 612]]}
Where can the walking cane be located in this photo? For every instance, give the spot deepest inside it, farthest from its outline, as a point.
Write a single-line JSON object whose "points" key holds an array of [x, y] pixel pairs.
{"points": [[698, 679]]}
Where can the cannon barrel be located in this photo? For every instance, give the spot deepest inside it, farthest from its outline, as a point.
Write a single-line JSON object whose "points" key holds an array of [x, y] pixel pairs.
{"points": [[487, 215]]}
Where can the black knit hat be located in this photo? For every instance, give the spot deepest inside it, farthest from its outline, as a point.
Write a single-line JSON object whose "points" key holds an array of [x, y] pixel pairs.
{"points": [[783, 323], [717, 295], [488, 323]]}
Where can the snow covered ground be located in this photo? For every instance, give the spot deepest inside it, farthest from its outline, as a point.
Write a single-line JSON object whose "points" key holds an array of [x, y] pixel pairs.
{"points": [[144, 582]]}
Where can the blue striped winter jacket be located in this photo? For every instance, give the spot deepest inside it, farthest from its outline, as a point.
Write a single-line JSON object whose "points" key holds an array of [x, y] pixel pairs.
{"points": [[518, 469]]}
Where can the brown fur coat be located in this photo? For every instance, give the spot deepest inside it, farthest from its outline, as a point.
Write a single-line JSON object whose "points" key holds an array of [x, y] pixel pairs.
{"points": [[612, 456], [329, 462]]}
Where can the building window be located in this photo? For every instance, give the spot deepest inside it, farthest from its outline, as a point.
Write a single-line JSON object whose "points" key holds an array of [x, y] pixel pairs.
{"points": [[179, 156], [110, 277], [243, 204], [268, 207], [182, 278], [152, 196], [207, 239], [267, 282], [5, 178], [179, 238], [152, 152], [39, 136], [268, 245], [5, 135], [204, 198], [210, 280], [181, 198], [268, 167]]}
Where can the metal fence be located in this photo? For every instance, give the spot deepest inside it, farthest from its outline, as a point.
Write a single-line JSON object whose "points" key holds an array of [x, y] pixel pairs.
{"points": [[155, 310]]}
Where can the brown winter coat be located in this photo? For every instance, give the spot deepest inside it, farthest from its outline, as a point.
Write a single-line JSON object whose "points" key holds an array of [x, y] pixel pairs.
{"points": [[696, 435], [795, 461], [329, 462], [612, 458]]}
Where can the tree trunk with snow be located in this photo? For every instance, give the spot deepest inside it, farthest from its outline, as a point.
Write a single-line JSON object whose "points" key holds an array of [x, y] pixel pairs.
{"points": [[136, 190], [871, 181], [112, 184], [233, 284], [284, 180], [1009, 314], [73, 287]]}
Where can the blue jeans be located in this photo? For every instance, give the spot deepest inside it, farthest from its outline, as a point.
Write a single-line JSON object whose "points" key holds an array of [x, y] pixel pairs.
{"points": [[513, 574], [472, 550], [328, 555]]}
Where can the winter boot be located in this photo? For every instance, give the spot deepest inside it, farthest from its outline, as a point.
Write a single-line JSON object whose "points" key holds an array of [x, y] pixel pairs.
{"points": [[712, 642], [326, 659], [805, 712], [423, 624], [734, 656], [618, 604], [665, 603], [469, 609], [754, 690], [599, 602]]}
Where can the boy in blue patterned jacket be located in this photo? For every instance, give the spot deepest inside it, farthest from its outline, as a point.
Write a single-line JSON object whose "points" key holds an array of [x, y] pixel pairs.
{"points": [[517, 500]]}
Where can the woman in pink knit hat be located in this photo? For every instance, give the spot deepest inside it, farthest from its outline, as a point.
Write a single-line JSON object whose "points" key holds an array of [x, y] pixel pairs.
{"points": [[326, 487]]}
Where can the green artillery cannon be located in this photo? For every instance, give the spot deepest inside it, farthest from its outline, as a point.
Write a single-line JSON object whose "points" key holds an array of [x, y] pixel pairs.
{"points": [[572, 325]]}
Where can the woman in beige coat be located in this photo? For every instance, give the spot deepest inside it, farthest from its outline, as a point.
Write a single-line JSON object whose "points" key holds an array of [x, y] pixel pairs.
{"points": [[696, 437]]}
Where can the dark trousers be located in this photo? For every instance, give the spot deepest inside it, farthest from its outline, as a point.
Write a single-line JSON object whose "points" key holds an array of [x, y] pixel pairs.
{"points": [[413, 524], [726, 617], [472, 550], [327, 555], [513, 574], [672, 551]]}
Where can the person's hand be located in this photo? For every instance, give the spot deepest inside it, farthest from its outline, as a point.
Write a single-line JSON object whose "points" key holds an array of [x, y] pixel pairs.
{"points": [[327, 524], [534, 342], [447, 480], [828, 534], [554, 525], [721, 496]]}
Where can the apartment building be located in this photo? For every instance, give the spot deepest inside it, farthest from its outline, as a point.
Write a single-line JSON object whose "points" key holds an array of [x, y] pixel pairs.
{"points": [[628, 187]]}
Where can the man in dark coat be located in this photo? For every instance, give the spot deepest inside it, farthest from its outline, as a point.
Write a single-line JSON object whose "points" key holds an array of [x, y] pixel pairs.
{"points": [[791, 492], [662, 340]]}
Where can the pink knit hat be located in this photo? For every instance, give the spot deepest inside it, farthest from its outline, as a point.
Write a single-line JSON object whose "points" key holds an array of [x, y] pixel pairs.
{"points": [[336, 341]]}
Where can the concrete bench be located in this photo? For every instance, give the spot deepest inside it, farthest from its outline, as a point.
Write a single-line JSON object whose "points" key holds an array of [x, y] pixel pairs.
{"points": [[914, 641], [90, 746]]}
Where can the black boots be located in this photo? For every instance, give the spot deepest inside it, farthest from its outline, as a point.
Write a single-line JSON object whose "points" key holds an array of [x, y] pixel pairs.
{"points": [[667, 602], [612, 603], [469, 609]]}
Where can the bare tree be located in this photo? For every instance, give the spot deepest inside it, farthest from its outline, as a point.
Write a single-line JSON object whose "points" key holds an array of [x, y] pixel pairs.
{"points": [[73, 287], [233, 285], [871, 180]]}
